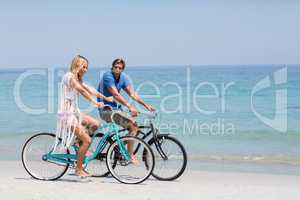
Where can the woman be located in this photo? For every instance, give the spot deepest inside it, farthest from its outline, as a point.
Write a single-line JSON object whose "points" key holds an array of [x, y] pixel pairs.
{"points": [[70, 121]]}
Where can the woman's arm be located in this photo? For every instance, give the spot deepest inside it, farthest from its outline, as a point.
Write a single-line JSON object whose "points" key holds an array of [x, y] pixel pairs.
{"points": [[82, 90], [95, 93]]}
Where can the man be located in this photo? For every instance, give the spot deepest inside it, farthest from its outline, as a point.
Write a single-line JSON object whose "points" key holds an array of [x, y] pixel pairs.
{"points": [[111, 84]]}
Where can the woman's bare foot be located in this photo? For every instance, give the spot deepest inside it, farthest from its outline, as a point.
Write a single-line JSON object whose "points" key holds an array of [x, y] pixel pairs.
{"points": [[81, 173], [134, 160]]}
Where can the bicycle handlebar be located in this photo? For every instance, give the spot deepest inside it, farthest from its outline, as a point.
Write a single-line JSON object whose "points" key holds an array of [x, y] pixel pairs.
{"points": [[150, 115]]}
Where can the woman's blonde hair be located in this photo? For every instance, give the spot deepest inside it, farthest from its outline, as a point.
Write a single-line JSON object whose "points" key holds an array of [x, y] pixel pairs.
{"points": [[77, 64]]}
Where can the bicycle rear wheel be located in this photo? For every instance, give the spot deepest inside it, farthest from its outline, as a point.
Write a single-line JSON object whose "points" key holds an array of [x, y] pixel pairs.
{"points": [[171, 166], [126, 171], [32, 158]]}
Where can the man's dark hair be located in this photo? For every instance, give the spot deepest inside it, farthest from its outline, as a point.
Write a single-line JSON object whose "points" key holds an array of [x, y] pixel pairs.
{"points": [[117, 61]]}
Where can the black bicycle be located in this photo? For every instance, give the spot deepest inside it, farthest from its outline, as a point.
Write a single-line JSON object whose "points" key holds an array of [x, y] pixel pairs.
{"points": [[170, 155]]}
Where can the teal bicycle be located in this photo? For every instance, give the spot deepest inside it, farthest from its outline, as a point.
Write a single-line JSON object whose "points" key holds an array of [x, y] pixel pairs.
{"points": [[170, 154], [43, 162]]}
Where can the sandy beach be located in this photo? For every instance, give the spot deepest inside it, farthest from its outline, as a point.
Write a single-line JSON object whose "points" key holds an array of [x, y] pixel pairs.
{"points": [[15, 183]]}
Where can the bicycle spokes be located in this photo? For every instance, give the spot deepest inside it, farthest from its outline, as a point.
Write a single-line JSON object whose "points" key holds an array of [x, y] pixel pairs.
{"points": [[129, 170]]}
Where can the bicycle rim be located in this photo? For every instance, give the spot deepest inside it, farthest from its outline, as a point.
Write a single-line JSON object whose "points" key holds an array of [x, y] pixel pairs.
{"points": [[175, 164], [32, 153], [126, 171]]}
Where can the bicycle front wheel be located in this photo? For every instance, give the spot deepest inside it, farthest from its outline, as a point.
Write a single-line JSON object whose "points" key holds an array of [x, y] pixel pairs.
{"points": [[170, 157], [32, 158], [126, 171]]}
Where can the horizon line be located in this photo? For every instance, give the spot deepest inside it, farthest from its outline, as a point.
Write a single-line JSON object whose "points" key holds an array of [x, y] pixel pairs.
{"points": [[165, 65]]}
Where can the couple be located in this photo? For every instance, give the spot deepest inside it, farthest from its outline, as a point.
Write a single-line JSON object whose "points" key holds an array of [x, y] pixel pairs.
{"points": [[108, 94]]}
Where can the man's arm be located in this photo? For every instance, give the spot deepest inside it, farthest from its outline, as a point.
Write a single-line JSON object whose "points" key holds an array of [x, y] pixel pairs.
{"points": [[130, 91], [118, 97]]}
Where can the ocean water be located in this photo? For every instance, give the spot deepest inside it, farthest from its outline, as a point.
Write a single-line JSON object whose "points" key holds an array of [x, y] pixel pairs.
{"points": [[207, 107]]}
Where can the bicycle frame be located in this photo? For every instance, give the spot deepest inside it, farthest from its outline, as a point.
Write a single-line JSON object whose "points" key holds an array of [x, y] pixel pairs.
{"points": [[66, 158], [154, 132]]}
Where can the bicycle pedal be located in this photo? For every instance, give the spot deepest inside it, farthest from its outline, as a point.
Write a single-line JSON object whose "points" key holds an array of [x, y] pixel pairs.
{"points": [[72, 166], [101, 156]]}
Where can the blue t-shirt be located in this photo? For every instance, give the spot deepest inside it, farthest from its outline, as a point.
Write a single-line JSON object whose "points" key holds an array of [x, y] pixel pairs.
{"points": [[108, 80]]}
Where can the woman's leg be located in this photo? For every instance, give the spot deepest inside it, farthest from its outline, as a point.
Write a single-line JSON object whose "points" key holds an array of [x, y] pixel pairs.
{"points": [[90, 123], [83, 136]]}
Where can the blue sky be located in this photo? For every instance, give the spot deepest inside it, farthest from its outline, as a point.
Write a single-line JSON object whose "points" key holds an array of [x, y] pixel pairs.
{"points": [[50, 33]]}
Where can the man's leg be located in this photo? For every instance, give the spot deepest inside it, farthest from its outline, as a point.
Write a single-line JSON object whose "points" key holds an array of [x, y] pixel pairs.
{"points": [[133, 130], [130, 124]]}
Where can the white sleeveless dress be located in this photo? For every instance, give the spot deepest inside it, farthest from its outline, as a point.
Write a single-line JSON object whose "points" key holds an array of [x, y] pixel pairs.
{"points": [[68, 116]]}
